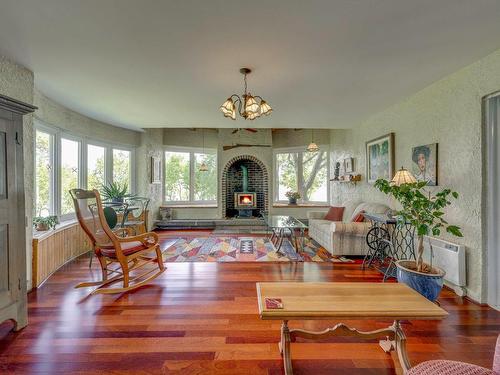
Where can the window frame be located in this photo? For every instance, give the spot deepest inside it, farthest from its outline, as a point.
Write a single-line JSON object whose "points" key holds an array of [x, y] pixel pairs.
{"points": [[302, 149], [191, 151], [57, 134]]}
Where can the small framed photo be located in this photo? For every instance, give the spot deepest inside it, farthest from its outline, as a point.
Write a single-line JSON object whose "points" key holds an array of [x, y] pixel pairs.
{"points": [[349, 165], [155, 170]]}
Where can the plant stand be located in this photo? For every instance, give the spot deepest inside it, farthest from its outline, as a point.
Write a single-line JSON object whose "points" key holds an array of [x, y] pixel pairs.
{"points": [[387, 243]]}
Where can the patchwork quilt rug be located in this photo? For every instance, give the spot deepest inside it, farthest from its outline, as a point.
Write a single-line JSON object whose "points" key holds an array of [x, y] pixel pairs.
{"points": [[244, 249]]}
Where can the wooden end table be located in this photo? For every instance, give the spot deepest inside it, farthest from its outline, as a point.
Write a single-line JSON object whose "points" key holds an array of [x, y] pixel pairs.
{"points": [[374, 301]]}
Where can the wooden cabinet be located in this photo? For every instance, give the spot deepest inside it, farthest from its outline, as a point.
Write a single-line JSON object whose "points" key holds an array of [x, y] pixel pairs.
{"points": [[12, 213]]}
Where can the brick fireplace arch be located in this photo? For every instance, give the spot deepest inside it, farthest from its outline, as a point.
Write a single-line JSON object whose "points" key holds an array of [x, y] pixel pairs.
{"points": [[261, 186]]}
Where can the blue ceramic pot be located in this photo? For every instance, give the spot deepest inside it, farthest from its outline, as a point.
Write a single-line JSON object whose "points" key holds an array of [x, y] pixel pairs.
{"points": [[427, 284], [292, 201]]}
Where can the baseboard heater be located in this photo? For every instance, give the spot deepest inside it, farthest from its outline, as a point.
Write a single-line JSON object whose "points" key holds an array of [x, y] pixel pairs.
{"points": [[451, 258]]}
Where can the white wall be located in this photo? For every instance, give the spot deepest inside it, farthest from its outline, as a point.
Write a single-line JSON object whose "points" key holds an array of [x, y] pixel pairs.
{"points": [[447, 112]]}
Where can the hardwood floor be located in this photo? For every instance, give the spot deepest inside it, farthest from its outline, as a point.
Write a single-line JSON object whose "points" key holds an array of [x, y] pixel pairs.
{"points": [[201, 318]]}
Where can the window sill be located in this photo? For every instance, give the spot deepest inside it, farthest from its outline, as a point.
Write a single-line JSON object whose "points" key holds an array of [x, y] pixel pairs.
{"points": [[40, 235], [301, 205], [189, 206]]}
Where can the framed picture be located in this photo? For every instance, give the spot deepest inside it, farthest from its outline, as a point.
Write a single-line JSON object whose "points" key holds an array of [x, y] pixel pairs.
{"points": [[425, 163], [155, 170], [349, 165], [380, 158]]}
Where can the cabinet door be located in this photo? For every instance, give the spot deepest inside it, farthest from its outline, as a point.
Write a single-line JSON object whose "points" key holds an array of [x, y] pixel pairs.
{"points": [[8, 214]]}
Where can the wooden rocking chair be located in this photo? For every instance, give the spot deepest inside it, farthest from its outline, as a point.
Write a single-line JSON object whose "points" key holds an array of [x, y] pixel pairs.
{"points": [[117, 255]]}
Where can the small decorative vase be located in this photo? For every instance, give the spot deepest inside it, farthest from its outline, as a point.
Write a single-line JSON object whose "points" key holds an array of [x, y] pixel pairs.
{"points": [[427, 284], [292, 201], [42, 227], [117, 200]]}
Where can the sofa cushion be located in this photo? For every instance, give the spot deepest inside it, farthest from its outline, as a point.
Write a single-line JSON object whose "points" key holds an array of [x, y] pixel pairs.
{"points": [[335, 214], [359, 218], [374, 208], [350, 206]]}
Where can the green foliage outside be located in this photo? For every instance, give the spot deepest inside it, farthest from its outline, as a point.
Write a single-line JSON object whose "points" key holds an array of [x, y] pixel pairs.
{"points": [[42, 170], [177, 177], [303, 172]]}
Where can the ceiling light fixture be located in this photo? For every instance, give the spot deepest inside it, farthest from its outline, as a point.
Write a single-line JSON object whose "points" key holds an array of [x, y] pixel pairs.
{"points": [[313, 147], [249, 107]]}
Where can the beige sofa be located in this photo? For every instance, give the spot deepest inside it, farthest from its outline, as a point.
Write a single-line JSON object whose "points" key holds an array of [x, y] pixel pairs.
{"points": [[345, 237]]}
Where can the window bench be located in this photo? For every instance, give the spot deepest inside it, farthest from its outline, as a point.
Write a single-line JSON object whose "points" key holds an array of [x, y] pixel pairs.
{"points": [[54, 248]]}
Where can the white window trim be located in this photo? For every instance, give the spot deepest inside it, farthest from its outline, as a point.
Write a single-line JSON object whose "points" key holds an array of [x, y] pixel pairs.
{"points": [[191, 151], [284, 150], [57, 134]]}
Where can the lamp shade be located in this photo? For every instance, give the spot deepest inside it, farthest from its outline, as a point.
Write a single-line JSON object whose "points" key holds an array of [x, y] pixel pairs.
{"points": [[203, 167], [251, 105], [228, 109], [265, 109], [313, 147], [403, 176]]}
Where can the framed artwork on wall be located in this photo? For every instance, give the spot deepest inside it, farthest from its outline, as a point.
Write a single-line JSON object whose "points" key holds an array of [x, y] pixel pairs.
{"points": [[380, 158], [155, 170], [425, 163], [349, 165]]}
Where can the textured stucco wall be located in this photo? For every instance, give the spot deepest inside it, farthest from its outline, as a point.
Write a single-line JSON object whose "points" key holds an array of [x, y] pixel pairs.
{"points": [[151, 145], [54, 114], [17, 82], [447, 112]]}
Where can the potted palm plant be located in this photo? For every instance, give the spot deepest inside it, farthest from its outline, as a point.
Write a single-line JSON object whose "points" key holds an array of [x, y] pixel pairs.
{"points": [[115, 192], [424, 211]]}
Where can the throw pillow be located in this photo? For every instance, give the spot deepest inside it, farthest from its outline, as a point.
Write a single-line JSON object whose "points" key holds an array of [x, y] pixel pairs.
{"points": [[359, 218], [335, 214]]}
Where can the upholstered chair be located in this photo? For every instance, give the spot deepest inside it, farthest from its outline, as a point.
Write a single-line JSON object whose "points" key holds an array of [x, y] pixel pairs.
{"points": [[443, 367]]}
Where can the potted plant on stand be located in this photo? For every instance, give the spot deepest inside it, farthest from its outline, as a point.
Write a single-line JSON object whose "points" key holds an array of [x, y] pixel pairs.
{"points": [[292, 197], [424, 211], [115, 192]]}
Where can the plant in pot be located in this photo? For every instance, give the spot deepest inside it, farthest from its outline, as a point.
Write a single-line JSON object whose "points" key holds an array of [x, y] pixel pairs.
{"points": [[45, 223], [292, 196], [424, 211], [115, 192]]}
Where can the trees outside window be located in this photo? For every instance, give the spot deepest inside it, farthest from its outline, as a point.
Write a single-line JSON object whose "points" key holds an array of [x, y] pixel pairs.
{"points": [[184, 182], [302, 171], [44, 173], [70, 162], [96, 167], [64, 162], [121, 167]]}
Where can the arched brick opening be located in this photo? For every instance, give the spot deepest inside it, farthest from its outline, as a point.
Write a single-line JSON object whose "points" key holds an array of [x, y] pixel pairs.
{"points": [[258, 182]]}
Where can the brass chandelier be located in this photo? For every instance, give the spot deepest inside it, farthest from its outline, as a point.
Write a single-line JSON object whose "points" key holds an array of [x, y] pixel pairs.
{"points": [[249, 107]]}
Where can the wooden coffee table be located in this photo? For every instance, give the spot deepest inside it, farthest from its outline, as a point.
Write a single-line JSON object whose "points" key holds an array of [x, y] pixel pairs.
{"points": [[374, 301]]}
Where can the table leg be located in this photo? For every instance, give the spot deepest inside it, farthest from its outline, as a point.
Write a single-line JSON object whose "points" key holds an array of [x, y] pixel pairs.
{"points": [[280, 239], [395, 340], [284, 346]]}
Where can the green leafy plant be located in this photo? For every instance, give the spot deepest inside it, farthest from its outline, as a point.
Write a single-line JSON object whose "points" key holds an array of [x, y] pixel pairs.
{"points": [[45, 223], [422, 210], [115, 191], [292, 195]]}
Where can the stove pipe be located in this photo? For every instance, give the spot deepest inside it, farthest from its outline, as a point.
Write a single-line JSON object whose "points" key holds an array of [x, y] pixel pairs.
{"points": [[244, 170]]}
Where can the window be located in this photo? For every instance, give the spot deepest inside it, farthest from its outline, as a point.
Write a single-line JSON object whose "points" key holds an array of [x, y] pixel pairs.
{"points": [[184, 182], [302, 171], [96, 164], [64, 162], [44, 173], [121, 167], [70, 161]]}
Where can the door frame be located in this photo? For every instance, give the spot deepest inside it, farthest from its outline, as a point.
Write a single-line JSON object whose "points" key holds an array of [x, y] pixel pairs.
{"points": [[491, 196]]}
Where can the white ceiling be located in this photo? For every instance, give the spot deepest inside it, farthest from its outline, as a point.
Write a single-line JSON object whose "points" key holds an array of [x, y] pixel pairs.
{"points": [[330, 63]]}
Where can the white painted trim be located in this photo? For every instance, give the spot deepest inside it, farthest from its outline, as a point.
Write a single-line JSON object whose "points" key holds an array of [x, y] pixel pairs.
{"points": [[491, 117]]}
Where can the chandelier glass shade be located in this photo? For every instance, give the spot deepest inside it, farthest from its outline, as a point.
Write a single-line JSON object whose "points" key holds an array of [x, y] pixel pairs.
{"points": [[249, 107]]}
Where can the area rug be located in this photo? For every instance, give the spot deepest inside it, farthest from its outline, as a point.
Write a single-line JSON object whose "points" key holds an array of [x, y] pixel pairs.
{"points": [[244, 249]]}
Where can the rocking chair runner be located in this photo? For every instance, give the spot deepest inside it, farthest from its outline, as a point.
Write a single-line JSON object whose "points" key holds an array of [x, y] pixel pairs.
{"points": [[129, 253]]}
